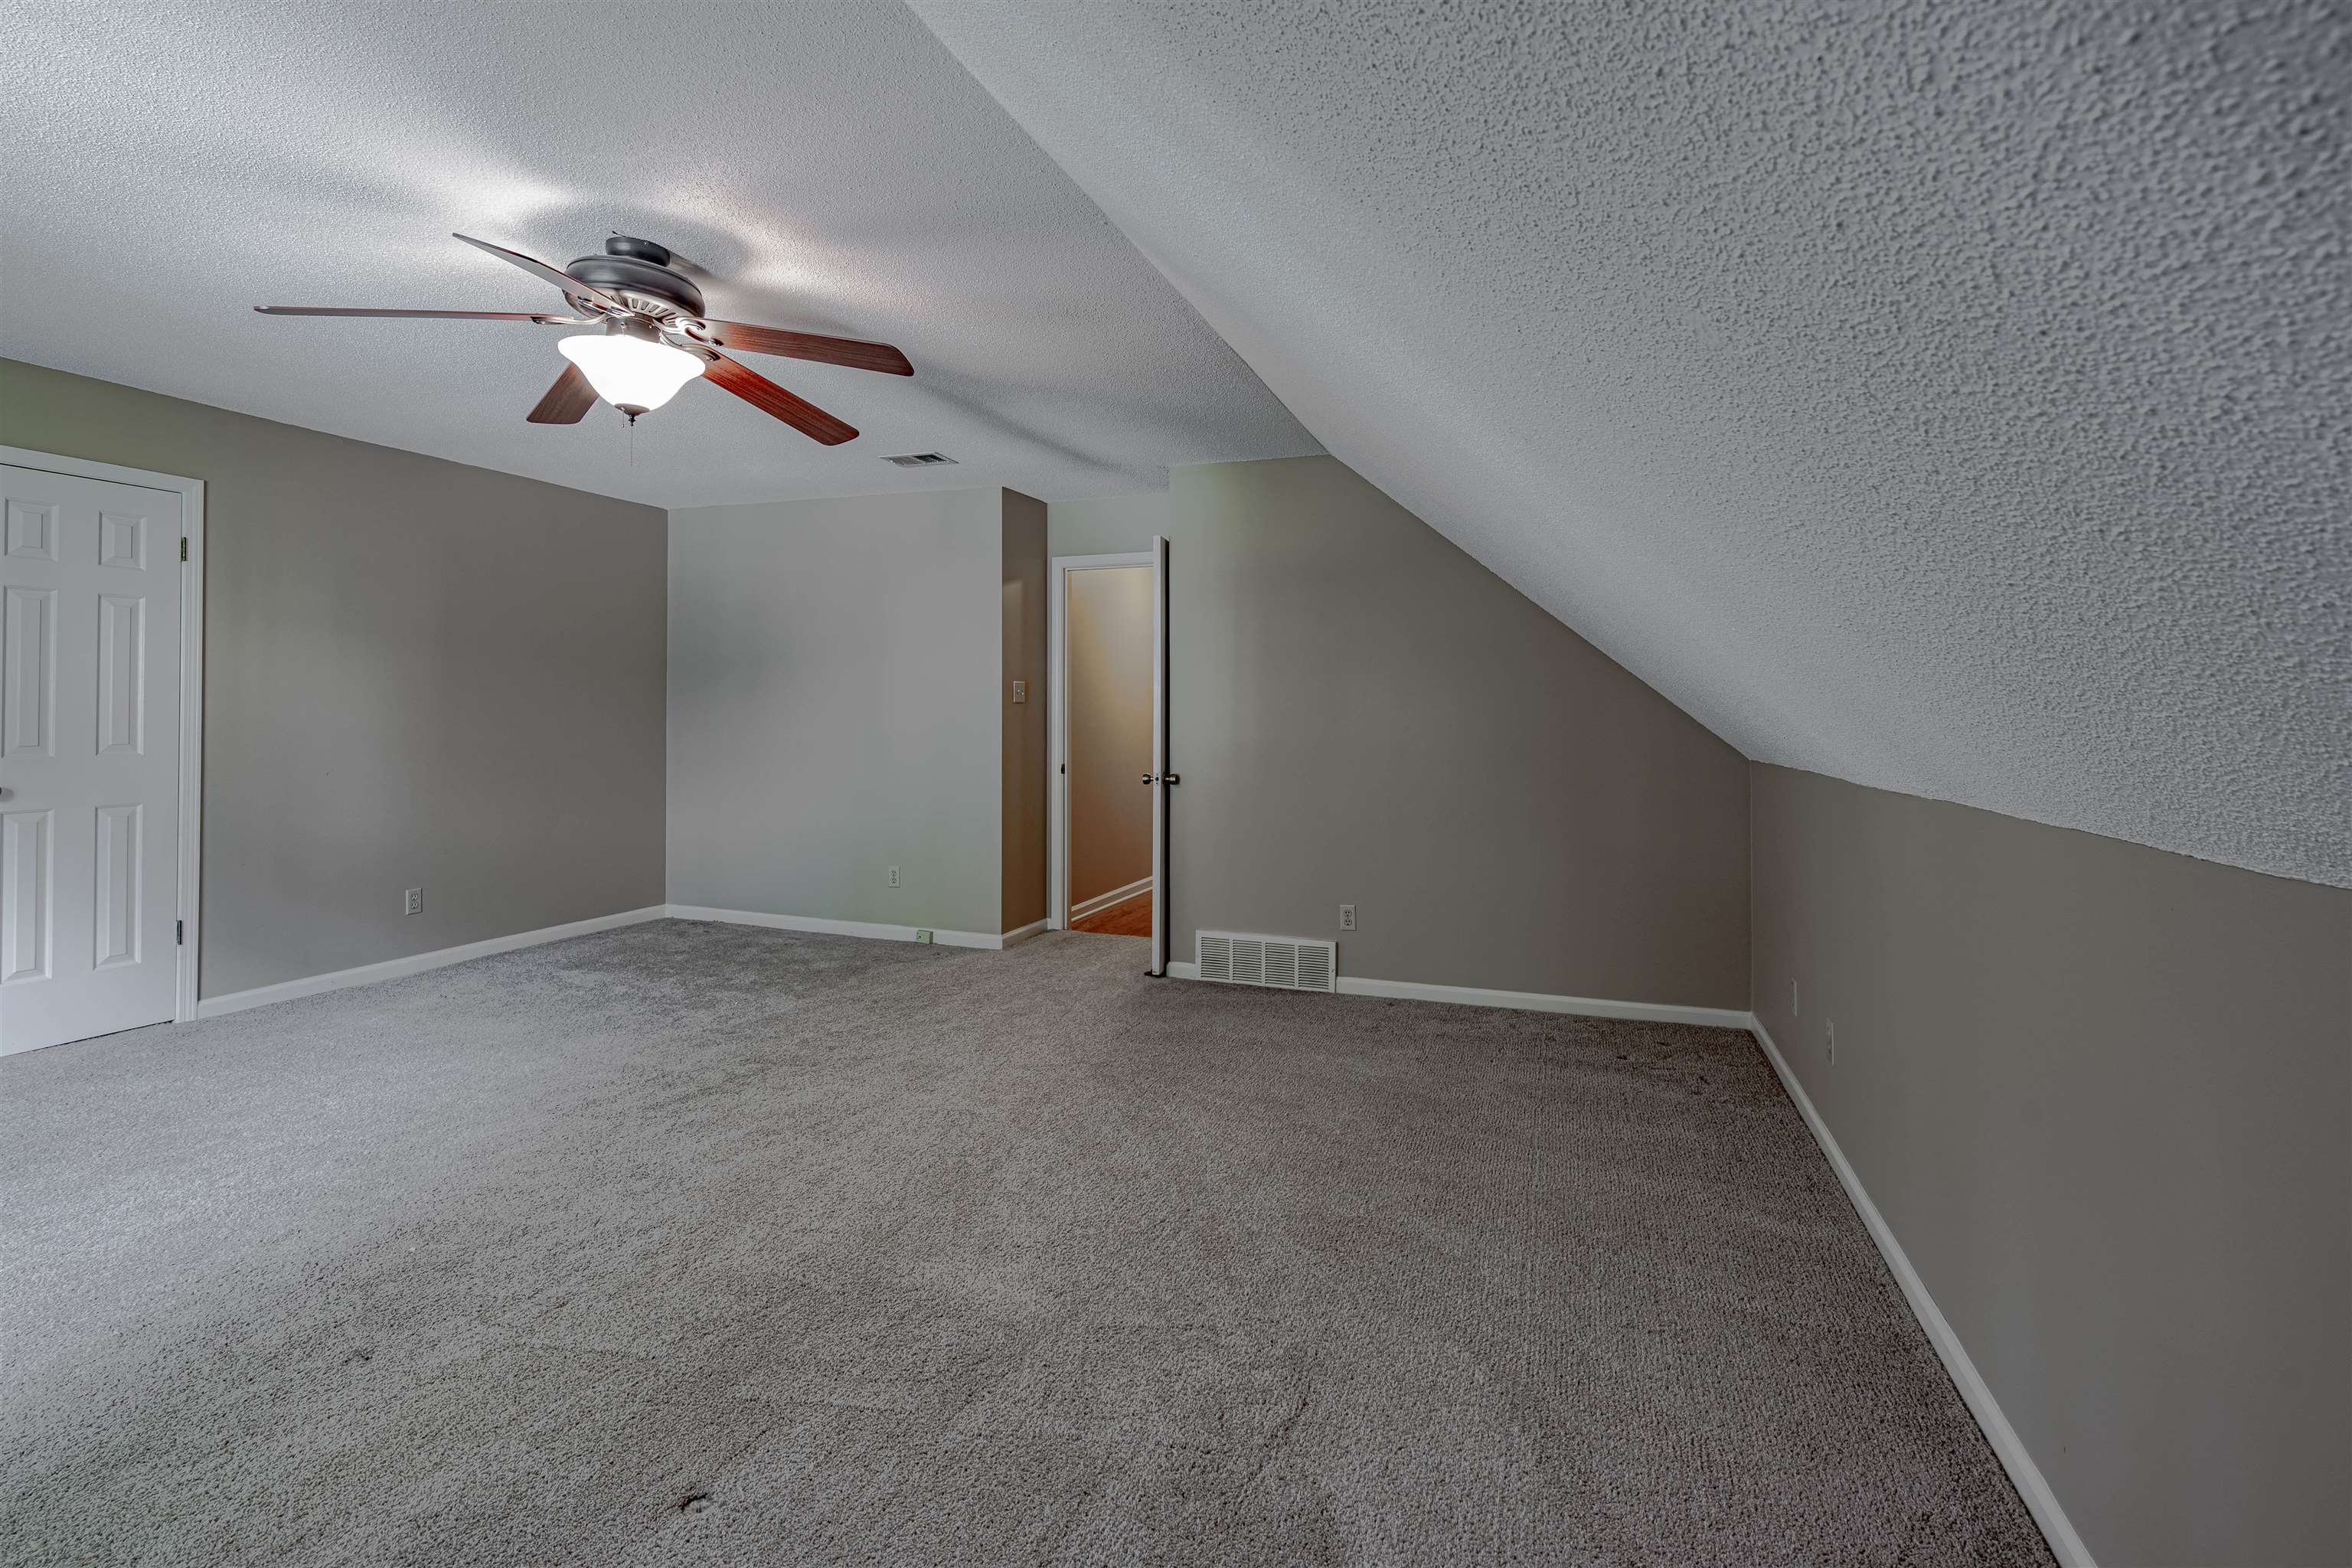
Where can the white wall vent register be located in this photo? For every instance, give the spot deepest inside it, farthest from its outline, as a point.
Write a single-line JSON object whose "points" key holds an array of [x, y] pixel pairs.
{"points": [[1285, 963]]}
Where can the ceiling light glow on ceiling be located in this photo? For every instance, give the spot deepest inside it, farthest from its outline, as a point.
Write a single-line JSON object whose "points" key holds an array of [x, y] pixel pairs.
{"points": [[635, 375]]}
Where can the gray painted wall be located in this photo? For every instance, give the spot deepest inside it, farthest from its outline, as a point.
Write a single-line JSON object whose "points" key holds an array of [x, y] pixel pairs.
{"points": [[1023, 828], [2102, 1093], [416, 674], [1363, 713], [1127, 521], [834, 708], [1108, 630]]}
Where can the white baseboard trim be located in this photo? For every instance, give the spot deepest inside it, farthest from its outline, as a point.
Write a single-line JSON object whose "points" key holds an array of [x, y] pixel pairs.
{"points": [[1542, 1002], [1527, 1001], [1101, 901], [414, 964], [418, 964], [2023, 1473], [1524, 1001], [880, 932]]}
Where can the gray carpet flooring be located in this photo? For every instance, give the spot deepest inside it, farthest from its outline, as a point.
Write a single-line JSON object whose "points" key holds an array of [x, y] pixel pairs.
{"points": [[694, 1244]]}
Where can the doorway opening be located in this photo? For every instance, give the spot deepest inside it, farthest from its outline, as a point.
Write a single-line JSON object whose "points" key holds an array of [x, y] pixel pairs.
{"points": [[1108, 817]]}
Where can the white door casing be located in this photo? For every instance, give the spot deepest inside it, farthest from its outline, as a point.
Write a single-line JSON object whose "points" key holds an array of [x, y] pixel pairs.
{"points": [[90, 698]]}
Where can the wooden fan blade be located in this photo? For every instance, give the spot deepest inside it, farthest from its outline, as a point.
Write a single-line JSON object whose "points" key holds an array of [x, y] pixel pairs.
{"points": [[571, 285], [741, 336], [567, 402], [768, 397], [542, 319]]}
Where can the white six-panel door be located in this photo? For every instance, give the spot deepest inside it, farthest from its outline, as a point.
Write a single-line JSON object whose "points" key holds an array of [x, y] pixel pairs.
{"points": [[90, 755]]}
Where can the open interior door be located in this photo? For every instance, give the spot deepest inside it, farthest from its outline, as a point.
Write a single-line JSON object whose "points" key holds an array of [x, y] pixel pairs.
{"points": [[1160, 777]]}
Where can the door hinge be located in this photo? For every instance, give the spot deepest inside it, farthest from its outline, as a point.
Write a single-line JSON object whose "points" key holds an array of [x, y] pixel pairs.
{"points": [[184, 547], [180, 933]]}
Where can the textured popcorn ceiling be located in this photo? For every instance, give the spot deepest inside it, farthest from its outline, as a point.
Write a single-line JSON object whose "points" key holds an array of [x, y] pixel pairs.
{"points": [[1950, 398], [168, 165]]}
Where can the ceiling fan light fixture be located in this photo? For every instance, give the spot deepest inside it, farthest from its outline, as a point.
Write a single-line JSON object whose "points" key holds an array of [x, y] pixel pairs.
{"points": [[634, 370], [656, 340]]}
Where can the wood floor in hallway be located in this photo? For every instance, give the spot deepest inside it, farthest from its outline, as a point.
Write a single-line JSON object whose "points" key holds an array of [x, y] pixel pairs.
{"points": [[1130, 917]]}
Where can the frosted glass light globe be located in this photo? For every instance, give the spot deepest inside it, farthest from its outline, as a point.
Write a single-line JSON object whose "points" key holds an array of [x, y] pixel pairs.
{"points": [[636, 375]]}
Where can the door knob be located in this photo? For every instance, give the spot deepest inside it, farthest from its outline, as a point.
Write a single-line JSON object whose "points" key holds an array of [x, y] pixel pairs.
{"points": [[1159, 778]]}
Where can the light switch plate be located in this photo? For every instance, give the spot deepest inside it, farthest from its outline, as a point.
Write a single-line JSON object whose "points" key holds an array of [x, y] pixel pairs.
{"points": [[1020, 691]]}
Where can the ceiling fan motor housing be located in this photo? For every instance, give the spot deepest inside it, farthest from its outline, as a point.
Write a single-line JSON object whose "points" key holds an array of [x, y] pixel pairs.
{"points": [[637, 273]]}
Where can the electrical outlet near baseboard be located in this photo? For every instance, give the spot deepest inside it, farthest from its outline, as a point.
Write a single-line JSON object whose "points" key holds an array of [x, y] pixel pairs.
{"points": [[1828, 1035], [894, 876], [1347, 917], [412, 902]]}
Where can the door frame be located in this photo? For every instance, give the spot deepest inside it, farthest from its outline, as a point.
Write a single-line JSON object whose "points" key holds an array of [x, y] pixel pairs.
{"points": [[1057, 683], [191, 492]]}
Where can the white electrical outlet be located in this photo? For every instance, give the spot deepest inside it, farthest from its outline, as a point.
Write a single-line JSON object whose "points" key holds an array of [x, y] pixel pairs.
{"points": [[1793, 1009], [1020, 691], [894, 876], [412, 902], [1829, 1032], [1347, 917]]}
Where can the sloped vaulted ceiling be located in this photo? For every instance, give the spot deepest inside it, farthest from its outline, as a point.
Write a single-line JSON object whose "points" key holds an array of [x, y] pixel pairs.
{"points": [[1949, 398]]}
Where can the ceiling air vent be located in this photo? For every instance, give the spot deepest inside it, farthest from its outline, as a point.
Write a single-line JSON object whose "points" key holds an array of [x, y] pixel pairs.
{"points": [[1285, 963], [920, 460]]}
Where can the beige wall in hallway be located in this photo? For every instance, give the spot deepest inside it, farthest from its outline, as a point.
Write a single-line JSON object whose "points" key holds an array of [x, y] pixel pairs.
{"points": [[1109, 633], [2103, 1096], [1363, 714], [416, 674]]}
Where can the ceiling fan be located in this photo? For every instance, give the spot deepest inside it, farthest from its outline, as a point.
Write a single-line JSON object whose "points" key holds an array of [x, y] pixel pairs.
{"points": [[656, 338]]}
